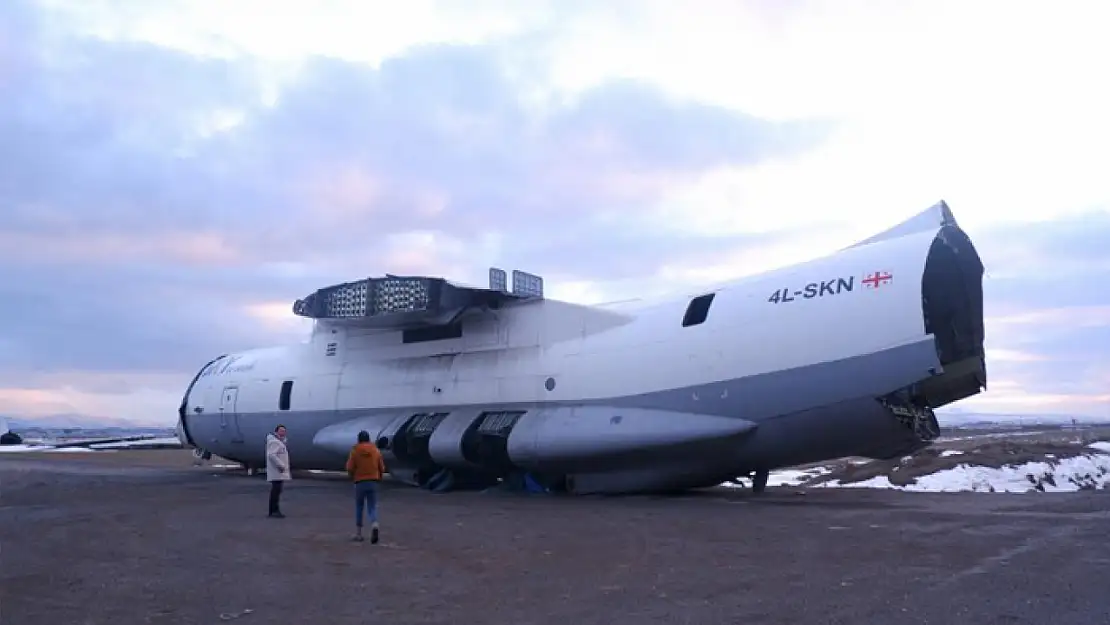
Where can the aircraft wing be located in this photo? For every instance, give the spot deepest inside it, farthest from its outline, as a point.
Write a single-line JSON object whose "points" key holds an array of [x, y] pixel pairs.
{"points": [[403, 302], [101, 441]]}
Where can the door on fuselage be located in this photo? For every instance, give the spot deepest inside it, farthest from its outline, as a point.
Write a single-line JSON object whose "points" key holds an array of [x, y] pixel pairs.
{"points": [[229, 416]]}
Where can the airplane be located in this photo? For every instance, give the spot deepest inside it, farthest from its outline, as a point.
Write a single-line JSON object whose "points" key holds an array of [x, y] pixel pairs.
{"points": [[464, 387]]}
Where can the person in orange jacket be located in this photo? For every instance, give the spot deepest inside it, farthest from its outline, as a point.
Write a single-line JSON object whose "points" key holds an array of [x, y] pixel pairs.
{"points": [[366, 467]]}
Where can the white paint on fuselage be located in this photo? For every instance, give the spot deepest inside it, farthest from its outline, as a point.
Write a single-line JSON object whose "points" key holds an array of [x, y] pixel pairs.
{"points": [[592, 353], [506, 357]]}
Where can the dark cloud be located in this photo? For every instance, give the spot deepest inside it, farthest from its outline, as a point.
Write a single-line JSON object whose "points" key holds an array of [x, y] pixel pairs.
{"points": [[444, 120], [1050, 302], [1061, 263], [1009, 294], [1075, 239], [1069, 366], [129, 239], [1081, 237], [134, 317]]}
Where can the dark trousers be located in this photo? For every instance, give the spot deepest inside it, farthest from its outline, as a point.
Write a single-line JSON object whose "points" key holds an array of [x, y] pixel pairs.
{"points": [[366, 501], [275, 496]]}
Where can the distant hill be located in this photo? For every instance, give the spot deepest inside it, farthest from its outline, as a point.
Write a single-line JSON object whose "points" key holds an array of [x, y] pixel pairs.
{"points": [[957, 419], [71, 420], [76, 427]]}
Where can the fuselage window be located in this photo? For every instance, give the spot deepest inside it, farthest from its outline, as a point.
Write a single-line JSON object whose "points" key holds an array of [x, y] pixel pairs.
{"points": [[286, 392], [698, 310]]}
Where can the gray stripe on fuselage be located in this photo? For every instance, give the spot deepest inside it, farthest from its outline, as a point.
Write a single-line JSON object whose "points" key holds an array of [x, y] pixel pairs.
{"points": [[768, 395], [756, 398]]}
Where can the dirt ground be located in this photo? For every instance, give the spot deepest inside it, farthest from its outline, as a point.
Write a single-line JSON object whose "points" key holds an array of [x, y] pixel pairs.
{"points": [[142, 537]]}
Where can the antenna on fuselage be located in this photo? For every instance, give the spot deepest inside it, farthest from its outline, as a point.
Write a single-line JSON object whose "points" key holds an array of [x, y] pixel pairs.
{"points": [[524, 284], [498, 280]]}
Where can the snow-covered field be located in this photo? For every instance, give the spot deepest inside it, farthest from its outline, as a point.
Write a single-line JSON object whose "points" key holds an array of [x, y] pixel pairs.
{"points": [[1090, 470], [47, 447], [40, 448]]}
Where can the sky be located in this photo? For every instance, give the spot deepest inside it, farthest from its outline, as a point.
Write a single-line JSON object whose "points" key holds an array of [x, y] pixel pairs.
{"points": [[175, 173]]}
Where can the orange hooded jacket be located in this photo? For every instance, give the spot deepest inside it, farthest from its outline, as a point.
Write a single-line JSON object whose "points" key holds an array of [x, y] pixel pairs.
{"points": [[365, 463]]}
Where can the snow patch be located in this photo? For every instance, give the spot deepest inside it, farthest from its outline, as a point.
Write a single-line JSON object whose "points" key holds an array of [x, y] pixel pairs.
{"points": [[785, 477], [794, 477], [1067, 475], [40, 448], [104, 447]]}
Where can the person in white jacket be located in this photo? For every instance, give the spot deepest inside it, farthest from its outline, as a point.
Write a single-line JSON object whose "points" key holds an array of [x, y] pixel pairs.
{"points": [[277, 468]]}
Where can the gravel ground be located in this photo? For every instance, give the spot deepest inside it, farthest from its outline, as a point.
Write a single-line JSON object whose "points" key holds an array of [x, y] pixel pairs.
{"points": [[141, 537]]}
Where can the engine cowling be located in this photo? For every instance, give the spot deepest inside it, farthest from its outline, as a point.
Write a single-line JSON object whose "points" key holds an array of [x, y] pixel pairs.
{"points": [[590, 438], [558, 440], [562, 438]]}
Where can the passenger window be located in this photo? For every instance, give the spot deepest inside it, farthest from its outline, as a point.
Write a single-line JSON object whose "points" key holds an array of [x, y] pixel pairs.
{"points": [[286, 391], [698, 310]]}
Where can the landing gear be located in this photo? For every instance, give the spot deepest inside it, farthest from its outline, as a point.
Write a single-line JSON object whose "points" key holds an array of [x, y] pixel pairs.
{"points": [[759, 481], [200, 456]]}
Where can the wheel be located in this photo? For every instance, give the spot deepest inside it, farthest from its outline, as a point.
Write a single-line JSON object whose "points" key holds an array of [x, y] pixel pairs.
{"points": [[759, 481]]}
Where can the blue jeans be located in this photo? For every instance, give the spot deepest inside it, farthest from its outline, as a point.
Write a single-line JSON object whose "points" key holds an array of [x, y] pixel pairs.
{"points": [[366, 498]]}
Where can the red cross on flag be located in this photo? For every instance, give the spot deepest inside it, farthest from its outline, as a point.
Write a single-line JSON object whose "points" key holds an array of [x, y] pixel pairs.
{"points": [[877, 279]]}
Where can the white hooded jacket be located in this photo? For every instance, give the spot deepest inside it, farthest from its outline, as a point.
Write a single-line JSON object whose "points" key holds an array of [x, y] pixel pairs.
{"points": [[277, 459]]}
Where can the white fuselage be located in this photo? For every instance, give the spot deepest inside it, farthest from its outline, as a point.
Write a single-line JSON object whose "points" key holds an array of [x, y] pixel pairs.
{"points": [[859, 305]]}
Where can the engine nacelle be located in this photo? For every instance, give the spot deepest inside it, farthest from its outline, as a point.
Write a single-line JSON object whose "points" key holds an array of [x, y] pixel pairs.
{"points": [[562, 438], [591, 438], [559, 439], [340, 437]]}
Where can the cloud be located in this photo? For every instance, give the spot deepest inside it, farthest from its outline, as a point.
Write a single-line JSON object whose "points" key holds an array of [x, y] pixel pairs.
{"points": [[1048, 315], [1045, 287], [175, 174], [160, 207], [1060, 310]]}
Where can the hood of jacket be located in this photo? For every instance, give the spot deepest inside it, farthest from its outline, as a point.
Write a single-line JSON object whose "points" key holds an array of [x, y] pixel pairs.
{"points": [[364, 450]]}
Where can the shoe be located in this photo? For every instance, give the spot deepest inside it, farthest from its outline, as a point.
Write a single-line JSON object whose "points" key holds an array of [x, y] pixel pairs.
{"points": [[277, 515], [374, 536], [358, 538]]}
